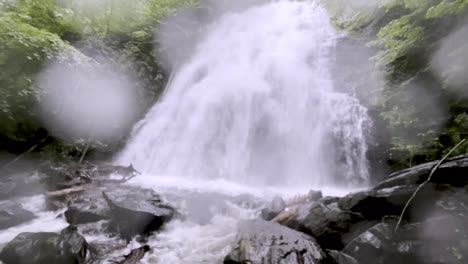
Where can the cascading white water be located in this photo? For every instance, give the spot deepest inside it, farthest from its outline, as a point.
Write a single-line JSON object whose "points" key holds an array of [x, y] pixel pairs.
{"points": [[256, 104]]}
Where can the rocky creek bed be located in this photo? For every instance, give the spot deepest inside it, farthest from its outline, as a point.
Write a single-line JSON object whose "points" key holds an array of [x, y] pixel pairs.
{"points": [[357, 228]]}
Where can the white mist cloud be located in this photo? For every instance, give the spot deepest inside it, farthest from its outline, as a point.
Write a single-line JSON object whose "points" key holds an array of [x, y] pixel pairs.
{"points": [[85, 101], [450, 62], [178, 35]]}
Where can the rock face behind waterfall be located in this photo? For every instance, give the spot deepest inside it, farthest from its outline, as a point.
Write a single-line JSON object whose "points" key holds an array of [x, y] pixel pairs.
{"points": [[46, 248], [261, 242]]}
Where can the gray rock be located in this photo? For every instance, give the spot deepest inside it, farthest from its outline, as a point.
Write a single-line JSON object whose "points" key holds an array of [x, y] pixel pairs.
{"points": [[45, 248], [342, 258], [314, 195], [453, 172], [375, 204], [87, 207], [12, 214], [136, 211], [329, 200], [276, 206], [131, 210], [439, 239], [262, 242], [330, 225]]}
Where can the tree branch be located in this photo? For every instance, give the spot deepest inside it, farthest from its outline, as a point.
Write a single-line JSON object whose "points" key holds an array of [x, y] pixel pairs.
{"points": [[425, 182]]}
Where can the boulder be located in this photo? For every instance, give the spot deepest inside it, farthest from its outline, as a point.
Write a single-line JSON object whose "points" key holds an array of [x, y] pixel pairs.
{"points": [[276, 206], [453, 172], [45, 248], [375, 204], [131, 210], [136, 211], [314, 195], [12, 214], [262, 242], [87, 207], [330, 225], [439, 239]]}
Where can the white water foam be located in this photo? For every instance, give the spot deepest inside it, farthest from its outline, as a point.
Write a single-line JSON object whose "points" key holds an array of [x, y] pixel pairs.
{"points": [[256, 105]]}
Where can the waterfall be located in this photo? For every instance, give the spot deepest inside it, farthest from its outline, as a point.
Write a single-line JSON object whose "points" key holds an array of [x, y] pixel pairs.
{"points": [[256, 104]]}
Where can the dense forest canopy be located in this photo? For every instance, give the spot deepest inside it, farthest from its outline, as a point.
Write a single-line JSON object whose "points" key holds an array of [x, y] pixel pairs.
{"points": [[419, 46]]}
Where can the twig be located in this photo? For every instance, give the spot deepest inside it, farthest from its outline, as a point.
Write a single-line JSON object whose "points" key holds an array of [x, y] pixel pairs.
{"points": [[425, 182]]}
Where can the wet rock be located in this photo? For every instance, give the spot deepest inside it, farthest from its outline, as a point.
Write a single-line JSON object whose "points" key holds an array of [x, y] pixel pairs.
{"points": [[330, 225], [12, 214], [135, 255], [342, 258], [440, 239], [262, 242], [87, 207], [314, 195], [372, 245], [375, 204], [329, 200], [45, 248], [276, 206], [136, 211], [453, 172]]}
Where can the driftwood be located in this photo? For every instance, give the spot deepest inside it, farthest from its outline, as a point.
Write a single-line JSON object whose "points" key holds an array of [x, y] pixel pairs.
{"points": [[135, 256], [298, 199], [425, 182], [288, 213], [66, 191]]}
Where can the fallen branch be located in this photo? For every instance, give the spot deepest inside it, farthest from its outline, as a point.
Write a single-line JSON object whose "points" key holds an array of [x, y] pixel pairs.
{"points": [[84, 152], [425, 182], [288, 213], [66, 191]]}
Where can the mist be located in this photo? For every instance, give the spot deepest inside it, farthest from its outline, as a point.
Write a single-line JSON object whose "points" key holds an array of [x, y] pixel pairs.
{"points": [[450, 62], [92, 102]]}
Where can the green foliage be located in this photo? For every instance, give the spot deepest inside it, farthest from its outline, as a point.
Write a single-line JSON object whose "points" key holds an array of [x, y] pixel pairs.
{"points": [[447, 8], [42, 14], [408, 34], [24, 51], [36, 32]]}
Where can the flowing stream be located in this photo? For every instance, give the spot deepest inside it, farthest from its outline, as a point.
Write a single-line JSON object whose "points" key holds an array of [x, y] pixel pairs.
{"points": [[253, 113]]}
